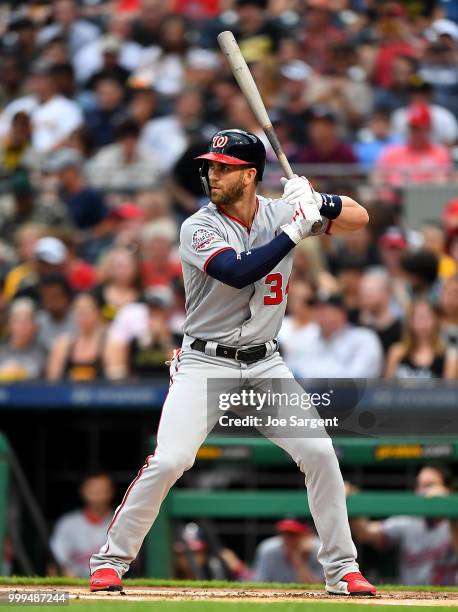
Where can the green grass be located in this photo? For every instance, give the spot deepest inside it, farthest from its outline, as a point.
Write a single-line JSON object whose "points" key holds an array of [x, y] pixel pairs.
{"points": [[160, 582], [236, 606]]}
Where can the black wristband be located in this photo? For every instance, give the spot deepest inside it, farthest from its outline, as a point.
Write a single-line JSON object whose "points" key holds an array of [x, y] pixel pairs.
{"points": [[331, 206]]}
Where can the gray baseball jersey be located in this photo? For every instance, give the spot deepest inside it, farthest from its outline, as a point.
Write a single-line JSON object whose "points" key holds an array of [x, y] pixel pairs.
{"points": [[218, 312], [426, 550], [75, 538]]}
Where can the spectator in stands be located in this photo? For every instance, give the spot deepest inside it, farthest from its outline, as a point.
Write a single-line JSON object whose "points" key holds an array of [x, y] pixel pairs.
{"points": [[145, 29], [358, 247], [126, 165], [450, 216], [163, 66], [55, 316], [293, 99], [120, 281], [240, 114], [129, 218], [81, 275], [21, 358], [16, 146], [80, 533], [325, 146], [143, 103], [56, 52], [320, 35], [201, 69], [393, 247], [12, 85], [443, 124], [439, 70], [344, 87], [374, 138], [50, 257], [421, 273], [64, 76], [25, 241], [106, 112], [348, 279], [110, 47], [448, 302], [160, 262], [337, 349], [376, 309], [428, 547], [25, 204], [185, 184], [435, 241], [295, 327], [421, 352], [67, 22], [453, 245], [403, 78], [140, 339], [168, 137], [53, 116], [85, 204], [90, 59], [285, 136], [394, 39], [289, 556], [79, 357], [417, 161]]}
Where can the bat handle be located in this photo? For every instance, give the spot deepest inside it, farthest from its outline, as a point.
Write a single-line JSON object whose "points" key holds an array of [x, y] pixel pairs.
{"points": [[278, 150]]}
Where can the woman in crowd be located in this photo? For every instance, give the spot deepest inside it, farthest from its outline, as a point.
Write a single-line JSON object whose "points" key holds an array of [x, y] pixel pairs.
{"points": [[421, 352], [120, 284], [79, 357]]}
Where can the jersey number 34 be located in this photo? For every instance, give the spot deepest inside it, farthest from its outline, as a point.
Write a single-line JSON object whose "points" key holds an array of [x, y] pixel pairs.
{"points": [[275, 282]]}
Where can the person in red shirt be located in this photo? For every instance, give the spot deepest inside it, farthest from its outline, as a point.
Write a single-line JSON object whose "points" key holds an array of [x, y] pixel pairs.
{"points": [[326, 146], [320, 34], [417, 161], [394, 40]]}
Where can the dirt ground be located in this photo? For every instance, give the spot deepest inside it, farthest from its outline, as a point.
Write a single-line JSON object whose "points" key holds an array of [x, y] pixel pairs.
{"points": [[177, 593]]}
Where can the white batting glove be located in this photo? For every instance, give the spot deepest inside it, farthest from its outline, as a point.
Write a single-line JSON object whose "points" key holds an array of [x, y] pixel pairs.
{"points": [[299, 189], [306, 215]]}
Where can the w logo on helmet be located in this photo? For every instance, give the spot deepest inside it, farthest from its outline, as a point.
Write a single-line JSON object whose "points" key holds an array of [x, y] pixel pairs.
{"points": [[219, 142]]}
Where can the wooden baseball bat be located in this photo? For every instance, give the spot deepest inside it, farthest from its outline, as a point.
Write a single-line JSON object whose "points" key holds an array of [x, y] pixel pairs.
{"points": [[244, 78]]}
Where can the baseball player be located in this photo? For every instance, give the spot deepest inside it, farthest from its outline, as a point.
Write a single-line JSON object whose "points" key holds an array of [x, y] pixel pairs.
{"points": [[237, 255]]}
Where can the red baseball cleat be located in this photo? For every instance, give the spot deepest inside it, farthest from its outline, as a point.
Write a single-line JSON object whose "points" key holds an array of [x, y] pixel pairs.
{"points": [[105, 580], [354, 584]]}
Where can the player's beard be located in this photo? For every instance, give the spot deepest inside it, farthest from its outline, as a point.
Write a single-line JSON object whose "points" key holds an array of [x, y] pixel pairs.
{"points": [[229, 195]]}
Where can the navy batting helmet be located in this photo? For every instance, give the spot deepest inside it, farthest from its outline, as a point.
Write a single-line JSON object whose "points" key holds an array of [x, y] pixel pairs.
{"points": [[235, 147]]}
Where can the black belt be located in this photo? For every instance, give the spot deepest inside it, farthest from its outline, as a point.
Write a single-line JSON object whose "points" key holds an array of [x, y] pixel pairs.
{"points": [[247, 355]]}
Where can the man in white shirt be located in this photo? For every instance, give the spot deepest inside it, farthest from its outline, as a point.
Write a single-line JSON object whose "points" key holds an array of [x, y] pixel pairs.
{"points": [[54, 117], [168, 137], [444, 126], [335, 349], [78, 32], [125, 165], [79, 533], [297, 325]]}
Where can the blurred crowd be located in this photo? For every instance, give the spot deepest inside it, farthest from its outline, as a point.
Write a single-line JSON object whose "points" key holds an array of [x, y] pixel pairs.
{"points": [[103, 107]]}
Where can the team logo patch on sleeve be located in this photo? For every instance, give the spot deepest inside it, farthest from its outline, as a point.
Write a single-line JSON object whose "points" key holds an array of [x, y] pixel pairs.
{"points": [[202, 238]]}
